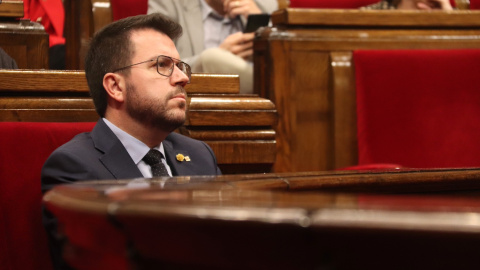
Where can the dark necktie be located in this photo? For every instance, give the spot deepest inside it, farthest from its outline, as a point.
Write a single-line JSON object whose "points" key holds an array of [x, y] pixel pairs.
{"points": [[154, 159]]}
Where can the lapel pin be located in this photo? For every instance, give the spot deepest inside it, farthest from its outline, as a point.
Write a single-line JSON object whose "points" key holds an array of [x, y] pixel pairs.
{"points": [[182, 158]]}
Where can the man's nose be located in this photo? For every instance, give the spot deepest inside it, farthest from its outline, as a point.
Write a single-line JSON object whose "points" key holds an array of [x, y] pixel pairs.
{"points": [[179, 77]]}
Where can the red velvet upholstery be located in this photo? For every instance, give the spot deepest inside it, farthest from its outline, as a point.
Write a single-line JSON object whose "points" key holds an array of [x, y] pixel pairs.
{"points": [[126, 8], [418, 108], [24, 149], [330, 3], [372, 167], [474, 4]]}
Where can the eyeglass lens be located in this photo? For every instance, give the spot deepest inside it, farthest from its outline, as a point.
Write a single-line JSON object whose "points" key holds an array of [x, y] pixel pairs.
{"points": [[165, 66]]}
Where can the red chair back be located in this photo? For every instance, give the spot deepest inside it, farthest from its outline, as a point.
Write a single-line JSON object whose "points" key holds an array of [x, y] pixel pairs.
{"points": [[474, 4], [126, 8], [24, 149], [418, 108]]}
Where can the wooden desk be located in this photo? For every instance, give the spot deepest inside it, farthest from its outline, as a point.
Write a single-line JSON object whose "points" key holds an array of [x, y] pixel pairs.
{"points": [[304, 65], [26, 42], [216, 223]]}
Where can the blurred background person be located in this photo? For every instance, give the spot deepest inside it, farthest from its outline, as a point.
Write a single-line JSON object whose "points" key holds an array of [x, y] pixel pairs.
{"points": [[213, 39]]}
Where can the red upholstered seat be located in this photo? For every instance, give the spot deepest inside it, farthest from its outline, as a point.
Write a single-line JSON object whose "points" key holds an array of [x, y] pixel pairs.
{"points": [[418, 108], [330, 3], [126, 8], [24, 149]]}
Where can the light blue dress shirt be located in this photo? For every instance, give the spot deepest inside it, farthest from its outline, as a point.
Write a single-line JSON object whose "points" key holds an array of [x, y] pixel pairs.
{"points": [[216, 27], [137, 149]]}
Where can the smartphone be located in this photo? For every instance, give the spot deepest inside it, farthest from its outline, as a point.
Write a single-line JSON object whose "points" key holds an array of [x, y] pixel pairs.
{"points": [[256, 21]]}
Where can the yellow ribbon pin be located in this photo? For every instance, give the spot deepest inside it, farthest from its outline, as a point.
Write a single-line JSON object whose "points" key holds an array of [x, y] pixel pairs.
{"points": [[182, 158]]}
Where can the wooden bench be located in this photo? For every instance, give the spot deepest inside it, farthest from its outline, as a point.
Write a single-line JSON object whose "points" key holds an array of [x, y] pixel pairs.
{"points": [[304, 65], [237, 127]]}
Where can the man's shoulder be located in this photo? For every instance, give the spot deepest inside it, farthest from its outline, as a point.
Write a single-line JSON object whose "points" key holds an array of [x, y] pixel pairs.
{"points": [[77, 143]]}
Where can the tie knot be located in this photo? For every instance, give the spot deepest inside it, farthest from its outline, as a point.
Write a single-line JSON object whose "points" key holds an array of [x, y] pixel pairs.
{"points": [[153, 157]]}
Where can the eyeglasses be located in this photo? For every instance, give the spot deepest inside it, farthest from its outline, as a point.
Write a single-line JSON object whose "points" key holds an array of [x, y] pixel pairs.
{"points": [[166, 65]]}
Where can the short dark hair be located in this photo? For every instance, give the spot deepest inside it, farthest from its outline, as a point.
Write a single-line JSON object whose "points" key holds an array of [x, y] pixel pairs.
{"points": [[111, 48]]}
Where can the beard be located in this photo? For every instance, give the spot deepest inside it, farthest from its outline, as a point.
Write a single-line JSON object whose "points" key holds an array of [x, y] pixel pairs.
{"points": [[155, 113]]}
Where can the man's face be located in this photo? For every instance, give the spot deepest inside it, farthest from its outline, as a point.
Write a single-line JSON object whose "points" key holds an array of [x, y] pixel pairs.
{"points": [[152, 99]]}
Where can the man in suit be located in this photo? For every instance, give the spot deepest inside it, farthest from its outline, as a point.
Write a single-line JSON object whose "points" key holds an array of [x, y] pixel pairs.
{"points": [[137, 85], [213, 41], [411, 5]]}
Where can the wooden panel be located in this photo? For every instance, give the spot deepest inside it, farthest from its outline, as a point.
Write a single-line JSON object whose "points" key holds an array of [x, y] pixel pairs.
{"points": [[75, 81], [372, 18], [79, 28], [102, 14], [344, 109], [303, 64], [214, 83], [11, 8], [26, 42]]}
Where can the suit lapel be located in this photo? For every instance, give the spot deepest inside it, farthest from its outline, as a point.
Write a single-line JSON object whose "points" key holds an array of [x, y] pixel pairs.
{"points": [[116, 158], [193, 19], [178, 167]]}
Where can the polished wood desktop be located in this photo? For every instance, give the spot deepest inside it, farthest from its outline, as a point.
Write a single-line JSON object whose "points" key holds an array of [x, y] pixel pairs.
{"points": [[274, 221], [304, 64]]}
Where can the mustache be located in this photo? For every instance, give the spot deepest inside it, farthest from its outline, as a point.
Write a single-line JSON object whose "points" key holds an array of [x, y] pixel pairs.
{"points": [[178, 90]]}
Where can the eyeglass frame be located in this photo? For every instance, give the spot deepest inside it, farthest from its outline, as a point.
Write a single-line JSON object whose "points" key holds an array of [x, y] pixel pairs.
{"points": [[175, 63]]}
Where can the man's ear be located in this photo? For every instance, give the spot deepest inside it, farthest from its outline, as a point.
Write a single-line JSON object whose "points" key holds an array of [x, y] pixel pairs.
{"points": [[115, 85]]}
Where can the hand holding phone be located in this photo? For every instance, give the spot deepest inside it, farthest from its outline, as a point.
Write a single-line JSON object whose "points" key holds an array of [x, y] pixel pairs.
{"points": [[256, 21]]}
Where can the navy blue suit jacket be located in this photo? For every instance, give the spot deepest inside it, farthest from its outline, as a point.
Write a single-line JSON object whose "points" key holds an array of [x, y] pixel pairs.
{"points": [[99, 155]]}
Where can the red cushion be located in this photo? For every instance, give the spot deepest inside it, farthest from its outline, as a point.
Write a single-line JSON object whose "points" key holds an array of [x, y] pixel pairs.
{"points": [[330, 3], [24, 149], [126, 8], [418, 108]]}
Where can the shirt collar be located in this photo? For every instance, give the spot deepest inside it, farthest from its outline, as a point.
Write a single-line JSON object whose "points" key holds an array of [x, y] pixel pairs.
{"points": [[135, 148], [208, 11]]}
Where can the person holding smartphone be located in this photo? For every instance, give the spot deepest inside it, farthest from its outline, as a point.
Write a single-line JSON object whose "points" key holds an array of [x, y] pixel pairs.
{"points": [[213, 40]]}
